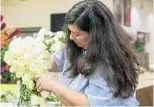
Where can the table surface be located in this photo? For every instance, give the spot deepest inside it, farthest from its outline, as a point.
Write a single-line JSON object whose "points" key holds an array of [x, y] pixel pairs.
{"points": [[48, 104], [146, 79]]}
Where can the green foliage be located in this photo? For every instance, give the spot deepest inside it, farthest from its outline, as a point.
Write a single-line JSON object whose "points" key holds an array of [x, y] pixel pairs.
{"points": [[3, 63], [62, 39], [53, 98], [13, 77], [139, 45], [4, 98], [25, 95], [6, 75], [7, 97], [48, 45]]}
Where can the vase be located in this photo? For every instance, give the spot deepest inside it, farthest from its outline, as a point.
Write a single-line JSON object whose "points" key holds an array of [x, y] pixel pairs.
{"points": [[53, 104], [18, 92], [21, 103]]}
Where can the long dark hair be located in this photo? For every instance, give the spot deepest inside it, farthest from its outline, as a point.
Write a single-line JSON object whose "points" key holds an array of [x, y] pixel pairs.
{"points": [[108, 46]]}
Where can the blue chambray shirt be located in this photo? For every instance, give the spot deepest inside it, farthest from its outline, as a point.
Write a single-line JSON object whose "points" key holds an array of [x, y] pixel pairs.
{"points": [[95, 87]]}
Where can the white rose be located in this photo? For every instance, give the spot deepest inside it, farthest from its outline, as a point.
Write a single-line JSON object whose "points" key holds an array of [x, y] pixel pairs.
{"points": [[42, 101], [59, 34], [45, 94], [34, 100], [30, 85], [42, 32], [15, 45], [50, 34], [7, 57], [27, 81], [19, 74], [12, 69], [57, 46]]}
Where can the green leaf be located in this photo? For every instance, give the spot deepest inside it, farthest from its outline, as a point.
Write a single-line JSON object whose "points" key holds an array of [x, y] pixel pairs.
{"points": [[3, 98]]}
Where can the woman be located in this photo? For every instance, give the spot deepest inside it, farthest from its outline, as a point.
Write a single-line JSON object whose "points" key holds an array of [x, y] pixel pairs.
{"points": [[97, 64]]}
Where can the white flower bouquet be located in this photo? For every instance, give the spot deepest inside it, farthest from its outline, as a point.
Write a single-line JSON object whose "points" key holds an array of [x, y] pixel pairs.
{"points": [[53, 41], [30, 57]]}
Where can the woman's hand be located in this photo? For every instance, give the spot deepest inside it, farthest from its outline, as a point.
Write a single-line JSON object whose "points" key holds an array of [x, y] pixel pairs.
{"points": [[44, 82], [67, 95]]}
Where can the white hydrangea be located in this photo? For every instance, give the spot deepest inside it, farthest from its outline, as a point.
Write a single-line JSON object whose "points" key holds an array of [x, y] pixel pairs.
{"points": [[59, 34], [36, 100], [57, 46], [44, 34], [29, 57], [27, 81], [45, 94], [26, 57], [52, 40]]}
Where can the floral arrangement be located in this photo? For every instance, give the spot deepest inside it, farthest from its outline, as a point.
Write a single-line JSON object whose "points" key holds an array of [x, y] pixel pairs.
{"points": [[53, 41], [25, 56], [7, 34], [7, 96], [139, 45]]}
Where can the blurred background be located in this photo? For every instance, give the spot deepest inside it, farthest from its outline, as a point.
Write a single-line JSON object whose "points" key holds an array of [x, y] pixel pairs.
{"points": [[135, 16]]}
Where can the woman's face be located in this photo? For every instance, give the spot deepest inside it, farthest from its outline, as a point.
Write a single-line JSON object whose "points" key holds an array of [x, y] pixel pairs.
{"points": [[78, 36]]}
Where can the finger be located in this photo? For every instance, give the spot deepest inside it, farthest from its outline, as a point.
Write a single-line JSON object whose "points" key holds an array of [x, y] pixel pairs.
{"points": [[37, 77], [38, 84], [40, 88], [43, 76]]}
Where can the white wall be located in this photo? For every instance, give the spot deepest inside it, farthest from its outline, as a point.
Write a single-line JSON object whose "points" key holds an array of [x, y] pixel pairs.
{"points": [[32, 13], [142, 20], [36, 13]]}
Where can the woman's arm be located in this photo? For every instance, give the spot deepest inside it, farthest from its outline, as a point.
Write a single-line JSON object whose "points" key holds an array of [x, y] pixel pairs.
{"points": [[67, 95], [142, 70], [58, 60], [54, 66]]}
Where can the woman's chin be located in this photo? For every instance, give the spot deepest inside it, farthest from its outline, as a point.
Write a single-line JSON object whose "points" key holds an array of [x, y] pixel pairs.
{"points": [[79, 45]]}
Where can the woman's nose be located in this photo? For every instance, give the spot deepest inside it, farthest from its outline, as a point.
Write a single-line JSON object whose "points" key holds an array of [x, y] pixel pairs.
{"points": [[72, 37]]}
